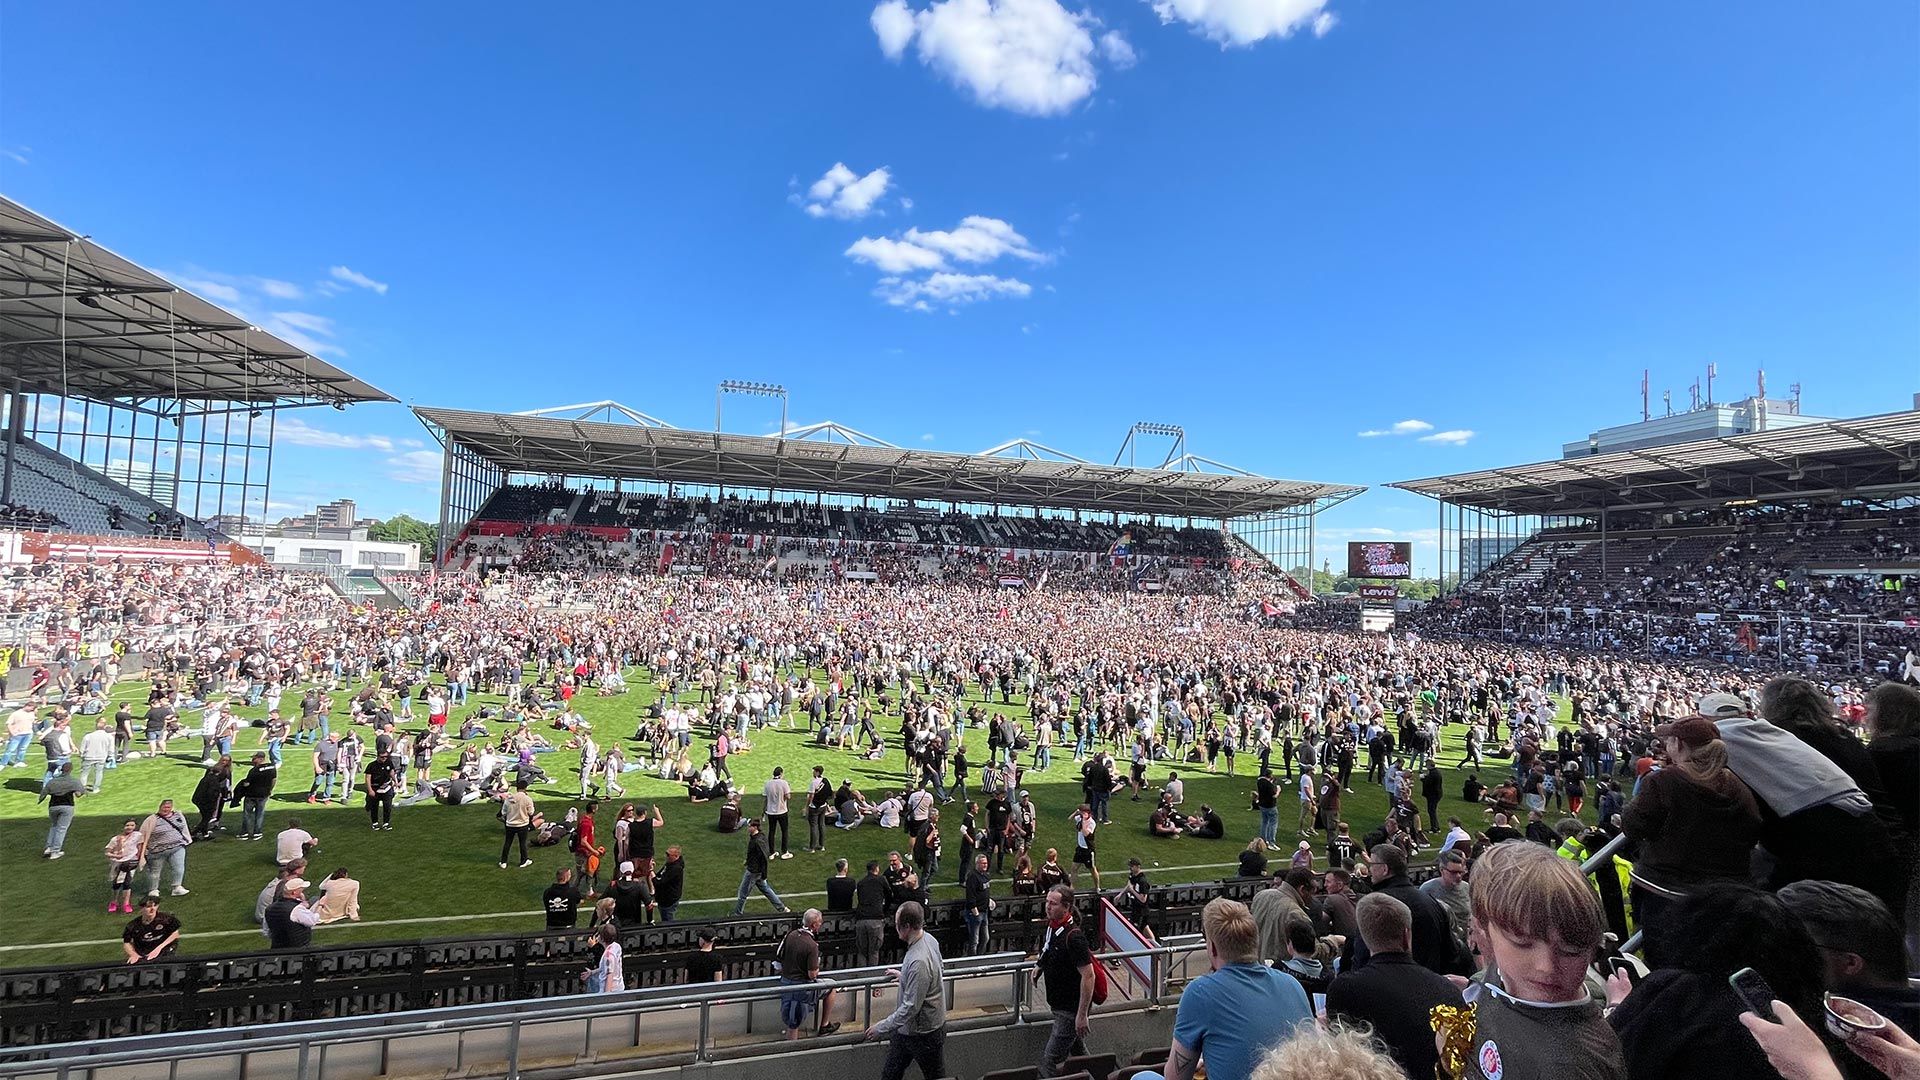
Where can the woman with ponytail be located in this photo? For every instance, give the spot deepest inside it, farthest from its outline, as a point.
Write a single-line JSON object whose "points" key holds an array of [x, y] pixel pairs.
{"points": [[1694, 823]]}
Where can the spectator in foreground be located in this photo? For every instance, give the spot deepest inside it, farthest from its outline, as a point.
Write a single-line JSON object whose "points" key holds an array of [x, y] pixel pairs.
{"points": [[152, 934], [1893, 723], [1229, 1016], [705, 965], [164, 839], [1695, 824], [1817, 819], [1799, 1054], [1528, 1013], [669, 882], [755, 875], [1681, 1019], [799, 964], [1392, 995], [1066, 963], [339, 898], [1335, 1053], [917, 1027], [610, 974], [1860, 947], [1432, 937]]}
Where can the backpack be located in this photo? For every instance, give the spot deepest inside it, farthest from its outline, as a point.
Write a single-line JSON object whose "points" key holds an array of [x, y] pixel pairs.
{"points": [[1099, 978]]}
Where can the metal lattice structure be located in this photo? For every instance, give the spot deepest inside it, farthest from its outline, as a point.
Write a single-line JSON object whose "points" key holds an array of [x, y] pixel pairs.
{"points": [[141, 383]]}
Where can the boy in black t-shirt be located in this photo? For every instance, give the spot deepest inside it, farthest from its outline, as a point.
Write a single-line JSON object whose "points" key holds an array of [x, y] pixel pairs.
{"points": [[705, 965], [151, 935]]}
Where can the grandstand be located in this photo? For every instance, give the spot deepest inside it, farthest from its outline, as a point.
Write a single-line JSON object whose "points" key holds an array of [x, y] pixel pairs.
{"points": [[134, 406], [534, 487], [1796, 547]]}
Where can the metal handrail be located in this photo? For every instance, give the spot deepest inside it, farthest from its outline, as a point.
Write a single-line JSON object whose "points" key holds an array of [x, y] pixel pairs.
{"points": [[305, 1036]]}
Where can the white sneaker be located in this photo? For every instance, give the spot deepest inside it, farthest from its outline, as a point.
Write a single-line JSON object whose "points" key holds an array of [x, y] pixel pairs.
{"points": [[57, 855], [179, 890]]}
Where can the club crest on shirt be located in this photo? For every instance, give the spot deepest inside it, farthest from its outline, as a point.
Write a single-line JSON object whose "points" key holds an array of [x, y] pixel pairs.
{"points": [[1490, 1065]]}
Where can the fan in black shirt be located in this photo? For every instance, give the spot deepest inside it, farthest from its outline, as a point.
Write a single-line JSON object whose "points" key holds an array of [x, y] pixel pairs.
{"points": [[562, 901], [841, 888]]}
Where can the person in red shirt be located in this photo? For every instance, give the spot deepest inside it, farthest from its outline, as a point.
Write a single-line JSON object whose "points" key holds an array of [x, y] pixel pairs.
{"points": [[586, 856]]}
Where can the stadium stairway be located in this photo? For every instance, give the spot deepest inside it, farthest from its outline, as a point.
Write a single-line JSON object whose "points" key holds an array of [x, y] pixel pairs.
{"points": [[81, 497]]}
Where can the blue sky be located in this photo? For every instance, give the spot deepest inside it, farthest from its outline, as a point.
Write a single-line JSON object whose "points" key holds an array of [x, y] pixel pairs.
{"points": [[1276, 222]]}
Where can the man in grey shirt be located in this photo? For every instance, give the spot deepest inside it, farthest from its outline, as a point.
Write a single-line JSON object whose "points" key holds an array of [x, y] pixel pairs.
{"points": [[918, 1025]]}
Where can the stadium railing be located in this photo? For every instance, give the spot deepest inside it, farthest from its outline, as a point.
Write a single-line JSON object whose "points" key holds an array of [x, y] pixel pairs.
{"points": [[635, 1029], [99, 1001]]}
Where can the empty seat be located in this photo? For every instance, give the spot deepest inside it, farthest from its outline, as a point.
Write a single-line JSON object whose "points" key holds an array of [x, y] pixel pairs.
{"points": [[1024, 1072], [1091, 1064], [1156, 1056]]}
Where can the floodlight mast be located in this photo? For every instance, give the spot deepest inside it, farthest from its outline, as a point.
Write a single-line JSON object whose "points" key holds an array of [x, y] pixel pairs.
{"points": [[755, 389], [1147, 427]]}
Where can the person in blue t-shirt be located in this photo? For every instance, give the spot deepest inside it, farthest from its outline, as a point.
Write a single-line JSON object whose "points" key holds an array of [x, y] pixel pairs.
{"points": [[1231, 1016]]}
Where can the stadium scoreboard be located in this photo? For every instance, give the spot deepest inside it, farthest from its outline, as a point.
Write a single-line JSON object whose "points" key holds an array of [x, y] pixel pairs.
{"points": [[1370, 560]]}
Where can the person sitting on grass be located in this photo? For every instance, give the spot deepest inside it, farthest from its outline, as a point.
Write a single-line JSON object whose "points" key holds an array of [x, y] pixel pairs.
{"points": [[339, 898], [1163, 823], [1206, 825]]}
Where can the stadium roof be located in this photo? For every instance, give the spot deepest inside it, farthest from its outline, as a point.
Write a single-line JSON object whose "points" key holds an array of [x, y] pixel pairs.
{"points": [[130, 333], [1873, 456], [548, 445]]}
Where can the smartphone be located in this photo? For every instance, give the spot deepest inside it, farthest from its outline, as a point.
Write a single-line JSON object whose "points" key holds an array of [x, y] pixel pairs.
{"points": [[1618, 964], [1753, 991]]}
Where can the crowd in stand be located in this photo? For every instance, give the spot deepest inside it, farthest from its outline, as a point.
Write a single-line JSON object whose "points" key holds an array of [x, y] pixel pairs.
{"points": [[1817, 587], [1764, 831], [13, 516]]}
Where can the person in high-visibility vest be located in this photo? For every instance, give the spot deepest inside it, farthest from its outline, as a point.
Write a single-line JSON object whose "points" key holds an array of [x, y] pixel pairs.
{"points": [[1611, 879]]}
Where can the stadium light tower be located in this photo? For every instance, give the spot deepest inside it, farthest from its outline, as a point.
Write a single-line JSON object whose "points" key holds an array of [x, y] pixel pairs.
{"points": [[1146, 427], [755, 389]]}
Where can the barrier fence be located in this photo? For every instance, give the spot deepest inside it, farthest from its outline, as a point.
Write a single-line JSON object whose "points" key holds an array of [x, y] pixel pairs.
{"points": [[99, 1001], [645, 1028]]}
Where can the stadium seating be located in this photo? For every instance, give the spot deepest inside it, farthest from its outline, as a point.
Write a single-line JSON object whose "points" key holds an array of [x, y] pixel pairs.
{"points": [[82, 500]]}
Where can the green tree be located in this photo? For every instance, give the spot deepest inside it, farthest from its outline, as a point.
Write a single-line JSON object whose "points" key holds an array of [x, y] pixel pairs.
{"points": [[406, 529]]}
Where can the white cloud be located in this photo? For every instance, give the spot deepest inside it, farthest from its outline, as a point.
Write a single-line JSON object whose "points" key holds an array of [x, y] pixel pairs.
{"points": [[212, 290], [16, 154], [928, 437], [1404, 427], [977, 240], [949, 290], [893, 256], [291, 429], [906, 203], [1244, 22], [1028, 56], [415, 467], [893, 25], [1456, 437], [843, 193], [354, 277], [301, 320], [279, 290], [302, 330]]}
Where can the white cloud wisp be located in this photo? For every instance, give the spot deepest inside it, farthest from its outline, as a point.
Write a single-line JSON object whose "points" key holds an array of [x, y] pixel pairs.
{"points": [[1032, 57]]}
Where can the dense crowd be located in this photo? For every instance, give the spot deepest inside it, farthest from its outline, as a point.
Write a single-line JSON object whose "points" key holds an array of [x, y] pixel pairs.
{"points": [[1759, 811]]}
